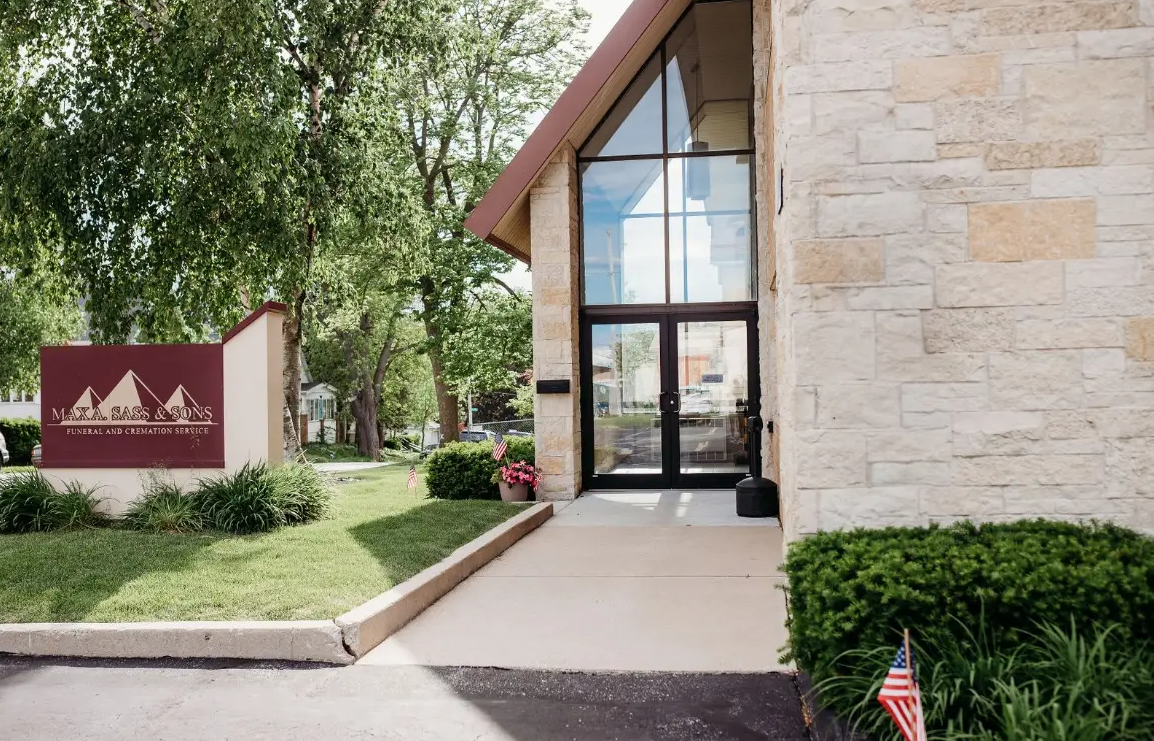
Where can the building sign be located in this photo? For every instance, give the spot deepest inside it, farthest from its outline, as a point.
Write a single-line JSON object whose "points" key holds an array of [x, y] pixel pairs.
{"points": [[713, 378], [132, 406]]}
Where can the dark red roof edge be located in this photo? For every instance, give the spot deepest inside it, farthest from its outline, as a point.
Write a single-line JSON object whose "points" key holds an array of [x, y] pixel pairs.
{"points": [[560, 119], [264, 308]]}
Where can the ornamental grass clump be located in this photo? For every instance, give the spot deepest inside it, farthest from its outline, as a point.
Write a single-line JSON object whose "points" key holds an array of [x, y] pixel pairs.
{"points": [[302, 493], [165, 508], [78, 507], [1060, 684], [29, 504], [242, 502], [257, 498]]}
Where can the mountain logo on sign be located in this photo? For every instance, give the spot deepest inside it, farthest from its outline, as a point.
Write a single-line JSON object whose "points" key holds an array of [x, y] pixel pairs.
{"points": [[132, 402]]}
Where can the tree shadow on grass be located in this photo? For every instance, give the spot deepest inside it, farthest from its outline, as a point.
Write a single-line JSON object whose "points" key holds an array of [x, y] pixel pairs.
{"points": [[409, 542], [63, 576]]}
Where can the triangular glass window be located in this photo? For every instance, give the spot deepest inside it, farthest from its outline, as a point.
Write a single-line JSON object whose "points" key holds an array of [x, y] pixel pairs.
{"points": [[709, 79], [634, 124]]}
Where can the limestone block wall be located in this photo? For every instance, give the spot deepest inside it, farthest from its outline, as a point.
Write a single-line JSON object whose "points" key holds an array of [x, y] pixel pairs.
{"points": [[965, 261], [553, 213], [764, 198]]}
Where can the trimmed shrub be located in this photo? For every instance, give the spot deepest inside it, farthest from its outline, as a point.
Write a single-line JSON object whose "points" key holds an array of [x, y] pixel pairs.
{"points": [[164, 508], [466, 470], [242, 502], [29, 504], [857, 589], [21, 435], [301, 492]]}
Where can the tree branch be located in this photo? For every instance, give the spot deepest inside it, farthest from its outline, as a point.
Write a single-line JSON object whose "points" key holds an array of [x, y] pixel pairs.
{"points": [[505, 285], [141, 19]]}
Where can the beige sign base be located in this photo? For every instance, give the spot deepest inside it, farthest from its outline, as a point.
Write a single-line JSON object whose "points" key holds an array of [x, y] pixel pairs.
{"points": [[339, 641]]}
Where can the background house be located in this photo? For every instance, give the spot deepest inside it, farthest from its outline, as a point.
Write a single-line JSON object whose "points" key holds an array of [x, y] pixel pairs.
{"points": [[19, 404]]}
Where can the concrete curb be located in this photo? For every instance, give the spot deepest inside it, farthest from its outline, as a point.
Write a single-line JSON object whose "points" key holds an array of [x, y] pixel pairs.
{"points": [[366, 626], [290, 640], [339, 641]]}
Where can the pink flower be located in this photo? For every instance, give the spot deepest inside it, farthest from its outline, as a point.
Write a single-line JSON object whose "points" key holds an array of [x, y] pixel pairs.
{"points": [[520, 472]]}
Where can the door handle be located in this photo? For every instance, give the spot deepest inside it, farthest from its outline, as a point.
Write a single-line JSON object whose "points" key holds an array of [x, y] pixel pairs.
{"points": [[674, 401]]}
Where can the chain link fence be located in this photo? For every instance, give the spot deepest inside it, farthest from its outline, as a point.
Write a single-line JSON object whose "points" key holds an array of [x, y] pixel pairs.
{"points": [[513, 427]]}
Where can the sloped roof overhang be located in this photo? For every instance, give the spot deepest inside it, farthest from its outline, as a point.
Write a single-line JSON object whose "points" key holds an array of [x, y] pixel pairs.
{"points": [[502, 216]]}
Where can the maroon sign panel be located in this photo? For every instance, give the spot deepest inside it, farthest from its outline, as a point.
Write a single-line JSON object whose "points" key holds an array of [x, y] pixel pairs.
{"points": [[132, 406]]}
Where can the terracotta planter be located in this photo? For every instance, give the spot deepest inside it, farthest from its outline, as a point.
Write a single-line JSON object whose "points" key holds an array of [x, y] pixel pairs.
{"points": [[513, 492]]}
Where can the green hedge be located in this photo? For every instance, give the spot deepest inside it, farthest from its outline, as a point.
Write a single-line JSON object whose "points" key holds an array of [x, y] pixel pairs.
{"points": [[857, 589], [465, 470], [21, 435]]}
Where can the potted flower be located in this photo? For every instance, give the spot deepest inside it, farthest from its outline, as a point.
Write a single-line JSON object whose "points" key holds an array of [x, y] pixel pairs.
{"points": [[515, 479]]}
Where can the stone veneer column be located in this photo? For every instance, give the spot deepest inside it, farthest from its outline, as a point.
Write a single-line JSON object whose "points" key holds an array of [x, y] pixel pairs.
{"points": [[553, 211], [965, 286]]}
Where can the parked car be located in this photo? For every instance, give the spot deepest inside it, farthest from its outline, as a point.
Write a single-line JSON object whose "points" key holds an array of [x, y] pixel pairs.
{"points": [[475, 436], [4, 457], [36, 456], [428, 450]]}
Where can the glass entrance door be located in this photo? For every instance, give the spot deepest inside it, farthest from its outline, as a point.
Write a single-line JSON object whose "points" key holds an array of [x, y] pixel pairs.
{"points": [[625, 386], [665, 399], [713, 385]]}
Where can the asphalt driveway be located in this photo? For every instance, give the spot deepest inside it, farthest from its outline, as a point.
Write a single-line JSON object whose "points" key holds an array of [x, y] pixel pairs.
{"points": [[43, 700]]}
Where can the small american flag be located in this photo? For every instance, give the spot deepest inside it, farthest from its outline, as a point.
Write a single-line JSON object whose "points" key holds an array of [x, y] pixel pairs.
{"points": [[500, 448], [901, 697], [412, 477]]}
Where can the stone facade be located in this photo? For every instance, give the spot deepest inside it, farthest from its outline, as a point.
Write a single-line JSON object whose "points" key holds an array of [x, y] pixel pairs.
{"points": [[963, 270], [554, 219]]}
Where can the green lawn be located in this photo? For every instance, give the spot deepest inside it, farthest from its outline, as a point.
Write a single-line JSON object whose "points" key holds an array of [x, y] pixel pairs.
{"points": [[381, 534], [17, 469]]}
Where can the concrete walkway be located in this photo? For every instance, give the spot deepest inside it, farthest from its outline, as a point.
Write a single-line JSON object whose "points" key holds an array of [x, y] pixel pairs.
{"points": [[652, 581], [349, 466]]}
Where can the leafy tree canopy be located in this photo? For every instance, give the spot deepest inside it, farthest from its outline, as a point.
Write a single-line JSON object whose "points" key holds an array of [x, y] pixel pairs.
{"points": [[465, 106], [497, 344], [34, 311], [175, 153]]}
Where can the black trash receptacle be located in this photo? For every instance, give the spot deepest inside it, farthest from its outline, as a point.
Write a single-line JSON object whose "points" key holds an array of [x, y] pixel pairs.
{"points": [[756, 496]]}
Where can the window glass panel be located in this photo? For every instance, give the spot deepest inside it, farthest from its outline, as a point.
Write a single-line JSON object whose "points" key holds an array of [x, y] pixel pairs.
{"points": [[634, 124], [712, 378], [626, 360], [623, 231], [709, 78], [709, 229]]}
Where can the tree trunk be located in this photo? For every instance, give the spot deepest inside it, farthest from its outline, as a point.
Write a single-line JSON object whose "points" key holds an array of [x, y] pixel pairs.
{"points": [[447, 401], [292, 376], [365, 413]]}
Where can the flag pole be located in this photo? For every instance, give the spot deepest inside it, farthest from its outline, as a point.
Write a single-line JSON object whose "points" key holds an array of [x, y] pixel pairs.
{"points": [[909, 666]]}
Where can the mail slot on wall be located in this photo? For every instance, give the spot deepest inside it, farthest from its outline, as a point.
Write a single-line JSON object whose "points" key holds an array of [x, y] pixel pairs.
{"points": [[553, 387]]}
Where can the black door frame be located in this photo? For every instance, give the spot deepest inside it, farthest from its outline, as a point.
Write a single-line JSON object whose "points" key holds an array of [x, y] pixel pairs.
{"points": [[667, 317]]}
